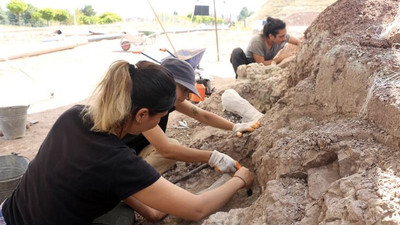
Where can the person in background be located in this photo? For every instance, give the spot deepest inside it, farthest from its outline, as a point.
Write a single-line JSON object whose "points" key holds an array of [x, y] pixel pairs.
{"points": [[83, 169], [264, 48], [162, 152]]}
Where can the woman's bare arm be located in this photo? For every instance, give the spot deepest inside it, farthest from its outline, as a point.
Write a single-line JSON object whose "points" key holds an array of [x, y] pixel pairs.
{"points": [[204, 116], [146, 211], [160, 141], [171, 199]]}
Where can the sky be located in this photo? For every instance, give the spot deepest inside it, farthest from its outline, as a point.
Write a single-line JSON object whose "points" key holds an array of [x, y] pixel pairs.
{"points": [[141, 8]]}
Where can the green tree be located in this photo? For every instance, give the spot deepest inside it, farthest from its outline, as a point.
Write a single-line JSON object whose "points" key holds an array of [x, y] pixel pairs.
{"points": [[88, 19], [197, 19], [78, 15], [61, 15], [17, 7], [27, 15], [47, 14], [31, 17], [3, 17], [109, 17], [88, 10], [12, 18], [37, 19], [207, 19], [244, 13]]}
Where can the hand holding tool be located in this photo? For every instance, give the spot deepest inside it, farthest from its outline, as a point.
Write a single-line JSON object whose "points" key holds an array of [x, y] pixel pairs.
{"points": [[249, 190], [222, 162], [240, 128]]}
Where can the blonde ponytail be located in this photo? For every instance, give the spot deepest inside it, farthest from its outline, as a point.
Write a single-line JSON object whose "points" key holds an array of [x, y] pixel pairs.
{"points": [[111, 100]]}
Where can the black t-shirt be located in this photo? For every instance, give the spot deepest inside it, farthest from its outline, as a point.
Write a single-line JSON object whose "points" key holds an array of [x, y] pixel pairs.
{"points": [[138, 142], [76, 176]]}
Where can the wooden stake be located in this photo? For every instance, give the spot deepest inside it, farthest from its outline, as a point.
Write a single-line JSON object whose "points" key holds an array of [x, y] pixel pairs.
{"points": [[159, 21], [216, 30]]}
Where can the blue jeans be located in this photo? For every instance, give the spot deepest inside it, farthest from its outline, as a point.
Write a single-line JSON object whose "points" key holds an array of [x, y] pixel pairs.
{"points": [[2, 221]]}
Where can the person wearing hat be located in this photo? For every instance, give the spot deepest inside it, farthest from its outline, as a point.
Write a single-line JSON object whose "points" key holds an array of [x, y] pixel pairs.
{"points": [[162, 152]]}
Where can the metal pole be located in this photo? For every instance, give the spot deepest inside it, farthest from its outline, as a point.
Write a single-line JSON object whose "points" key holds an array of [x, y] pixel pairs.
{"points": [[159, 21], [216, 30], [195, 170]]}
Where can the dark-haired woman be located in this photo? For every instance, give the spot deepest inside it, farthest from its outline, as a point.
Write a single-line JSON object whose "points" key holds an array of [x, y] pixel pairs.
{"points": [[264, 48], [83, 169]]}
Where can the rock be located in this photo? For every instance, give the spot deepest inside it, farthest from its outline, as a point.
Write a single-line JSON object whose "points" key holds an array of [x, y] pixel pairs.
{"points": [[319, 179]]}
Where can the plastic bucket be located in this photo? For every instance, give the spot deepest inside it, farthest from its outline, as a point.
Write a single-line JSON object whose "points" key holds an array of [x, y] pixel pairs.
{"points": [[13, 121], [12, 167], [202, 91]]}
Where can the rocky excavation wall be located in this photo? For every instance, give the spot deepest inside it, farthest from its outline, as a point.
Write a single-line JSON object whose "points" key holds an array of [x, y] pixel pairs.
{"points": [[328, 148]]}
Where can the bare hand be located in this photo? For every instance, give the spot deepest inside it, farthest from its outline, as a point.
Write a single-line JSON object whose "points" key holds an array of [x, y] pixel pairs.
{"points": [[246, 175]]}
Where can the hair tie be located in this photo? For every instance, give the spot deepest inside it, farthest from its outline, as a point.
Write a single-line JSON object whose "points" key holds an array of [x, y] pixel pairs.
{"points": [[132, 69]]}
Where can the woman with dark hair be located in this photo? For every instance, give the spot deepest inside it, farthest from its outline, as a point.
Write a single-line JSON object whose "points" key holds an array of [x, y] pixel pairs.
{"points": [[161, 151], [264, 48], [83, 169]]}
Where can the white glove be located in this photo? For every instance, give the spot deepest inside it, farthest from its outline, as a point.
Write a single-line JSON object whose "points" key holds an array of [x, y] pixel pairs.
{"points": [[245, 127], [222, 162], [233, 102]]}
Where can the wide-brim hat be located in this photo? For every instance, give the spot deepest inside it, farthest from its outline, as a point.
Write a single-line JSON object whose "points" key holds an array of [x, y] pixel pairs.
{"points": [[182, 72]]}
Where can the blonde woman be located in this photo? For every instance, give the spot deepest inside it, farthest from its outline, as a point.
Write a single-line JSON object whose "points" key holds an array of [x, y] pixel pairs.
{"points": [[83, 169]]}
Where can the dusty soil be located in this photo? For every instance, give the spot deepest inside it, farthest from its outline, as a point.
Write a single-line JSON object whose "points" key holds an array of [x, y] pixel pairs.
{"points": [[301, 18], [327, 151]]}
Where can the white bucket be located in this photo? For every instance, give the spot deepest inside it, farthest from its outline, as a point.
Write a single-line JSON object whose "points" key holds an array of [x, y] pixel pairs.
{"points": [[13, 121]]}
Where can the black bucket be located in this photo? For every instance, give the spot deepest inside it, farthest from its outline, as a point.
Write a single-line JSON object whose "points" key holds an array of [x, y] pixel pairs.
{"points": [[12, 167]]}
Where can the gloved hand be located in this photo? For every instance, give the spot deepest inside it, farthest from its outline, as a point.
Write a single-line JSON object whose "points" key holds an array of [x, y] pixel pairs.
{"points": [[246, 127], [222, 162]]}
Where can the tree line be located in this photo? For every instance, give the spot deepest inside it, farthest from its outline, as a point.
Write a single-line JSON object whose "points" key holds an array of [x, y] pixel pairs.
{"points": [[24, 14], [20, 13]]}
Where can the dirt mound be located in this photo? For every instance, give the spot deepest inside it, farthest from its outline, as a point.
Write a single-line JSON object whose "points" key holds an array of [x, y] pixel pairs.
{"points": [[328, 148], [284, 8], [301, 18]]}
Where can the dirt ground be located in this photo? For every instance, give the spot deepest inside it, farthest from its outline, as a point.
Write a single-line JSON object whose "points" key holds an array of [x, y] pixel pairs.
{"points": [[328, 148], [327, 151]]}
